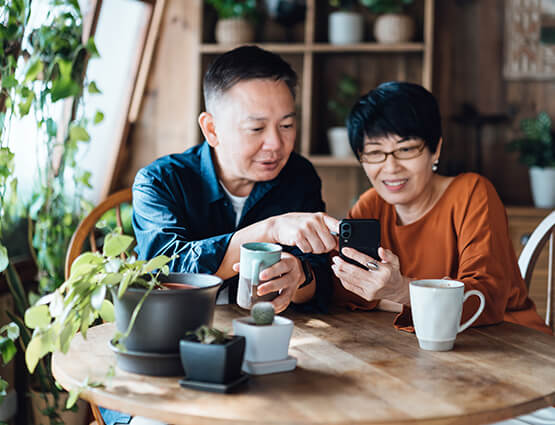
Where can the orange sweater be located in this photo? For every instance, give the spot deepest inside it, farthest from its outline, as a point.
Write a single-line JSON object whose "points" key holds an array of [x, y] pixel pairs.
{"points": [[464, 236]]}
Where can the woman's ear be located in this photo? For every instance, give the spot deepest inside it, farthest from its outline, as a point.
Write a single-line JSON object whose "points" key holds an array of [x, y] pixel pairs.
{"points": [[438, 150], [208, 126]]}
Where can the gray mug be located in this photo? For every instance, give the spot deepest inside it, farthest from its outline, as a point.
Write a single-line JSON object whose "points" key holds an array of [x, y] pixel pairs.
{"points": [[255, 257]]}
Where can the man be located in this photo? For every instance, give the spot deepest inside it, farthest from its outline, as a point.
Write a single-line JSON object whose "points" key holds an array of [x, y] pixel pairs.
{"points": [[243, 184]]}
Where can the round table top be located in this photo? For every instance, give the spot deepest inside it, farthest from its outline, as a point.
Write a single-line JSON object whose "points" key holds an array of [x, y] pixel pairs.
{"points": [[353, 368]]}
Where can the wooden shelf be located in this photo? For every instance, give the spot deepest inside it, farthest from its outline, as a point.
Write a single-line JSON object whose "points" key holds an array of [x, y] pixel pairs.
{"points": [[301, 48], [332, 161]]}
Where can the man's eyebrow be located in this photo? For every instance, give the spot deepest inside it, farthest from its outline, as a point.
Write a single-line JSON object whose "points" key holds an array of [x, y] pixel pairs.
{"points": [[290, 115]]}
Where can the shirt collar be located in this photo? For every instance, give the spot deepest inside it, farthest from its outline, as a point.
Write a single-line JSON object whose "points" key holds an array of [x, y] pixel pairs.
{"points": [[213, 188]]}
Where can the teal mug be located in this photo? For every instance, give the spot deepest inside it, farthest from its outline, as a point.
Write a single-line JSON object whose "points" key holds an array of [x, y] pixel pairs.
{"points": [[255, 257]]}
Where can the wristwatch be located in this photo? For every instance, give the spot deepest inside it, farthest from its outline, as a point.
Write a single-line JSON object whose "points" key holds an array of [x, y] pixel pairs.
{"points": [[309, 276]]}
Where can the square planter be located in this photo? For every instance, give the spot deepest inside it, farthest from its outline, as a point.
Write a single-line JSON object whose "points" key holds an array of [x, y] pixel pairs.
{"points": [[216, 363], [265, 343]]}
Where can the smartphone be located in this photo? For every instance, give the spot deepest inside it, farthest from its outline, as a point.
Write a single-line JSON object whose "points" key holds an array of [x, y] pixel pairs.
{"points": [[360, 234]]}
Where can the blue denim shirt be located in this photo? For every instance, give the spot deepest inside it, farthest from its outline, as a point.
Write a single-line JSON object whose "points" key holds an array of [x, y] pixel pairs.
{"points": [[179, 207]]}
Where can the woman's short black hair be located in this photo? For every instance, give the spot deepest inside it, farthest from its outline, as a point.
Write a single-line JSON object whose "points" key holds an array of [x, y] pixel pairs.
{"points": [[245, 63], [395, 109]]}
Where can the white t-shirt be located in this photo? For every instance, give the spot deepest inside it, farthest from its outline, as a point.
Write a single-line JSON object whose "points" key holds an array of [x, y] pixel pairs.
{"points": [[238, 203]]}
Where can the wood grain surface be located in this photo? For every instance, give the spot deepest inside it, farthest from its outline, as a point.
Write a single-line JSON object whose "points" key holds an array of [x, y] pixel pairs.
{"points": [[353, 368]]}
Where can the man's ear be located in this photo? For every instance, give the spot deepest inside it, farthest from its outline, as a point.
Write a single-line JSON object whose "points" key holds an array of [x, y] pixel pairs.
{"points": [[208, 127]]}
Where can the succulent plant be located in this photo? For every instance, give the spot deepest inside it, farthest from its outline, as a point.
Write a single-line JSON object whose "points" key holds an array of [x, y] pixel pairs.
{"points": [[207, 335], [263, 313]]}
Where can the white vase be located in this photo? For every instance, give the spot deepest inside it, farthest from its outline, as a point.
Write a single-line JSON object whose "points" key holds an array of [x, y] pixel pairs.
{"points": [[265, 343], [393, 28], [234, 31], [345, 27], [338, 139], [542, 181]]}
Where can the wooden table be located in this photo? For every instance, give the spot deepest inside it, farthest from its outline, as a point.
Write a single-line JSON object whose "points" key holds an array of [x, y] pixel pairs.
{"points": [[353, 368]]}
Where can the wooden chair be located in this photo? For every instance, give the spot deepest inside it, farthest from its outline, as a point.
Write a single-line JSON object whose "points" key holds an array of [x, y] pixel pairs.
{"points": [[86, 229], [529, 255], [87, 226]]}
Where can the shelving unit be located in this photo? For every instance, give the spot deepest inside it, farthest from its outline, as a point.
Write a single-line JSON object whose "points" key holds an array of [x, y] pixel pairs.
{"points": [[320, 65]]}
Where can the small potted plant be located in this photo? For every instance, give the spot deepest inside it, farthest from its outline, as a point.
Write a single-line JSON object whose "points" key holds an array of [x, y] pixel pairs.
{"points": [[347, 92], [392, 25], [345, 25], [212, 359], [267, 338], [234, 20], [150, 318], [537, 151]]}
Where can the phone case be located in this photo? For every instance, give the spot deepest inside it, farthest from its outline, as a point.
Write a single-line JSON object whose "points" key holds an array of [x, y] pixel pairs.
{"points": [[360, 234]]}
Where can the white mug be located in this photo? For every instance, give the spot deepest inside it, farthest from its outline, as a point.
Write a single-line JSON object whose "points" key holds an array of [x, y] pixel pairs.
{"points": [[436, 306]]}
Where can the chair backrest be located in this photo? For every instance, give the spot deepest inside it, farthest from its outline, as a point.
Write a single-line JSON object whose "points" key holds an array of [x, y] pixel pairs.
{"points": [[529, 255], [87, 226]]}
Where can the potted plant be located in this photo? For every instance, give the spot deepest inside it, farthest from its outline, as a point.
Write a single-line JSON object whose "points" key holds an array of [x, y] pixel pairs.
{"points": [[346, 93], [391, 26], [537, 151], [234, 26], [345, 26], [267, 339], [212, 360], [150, 318]]}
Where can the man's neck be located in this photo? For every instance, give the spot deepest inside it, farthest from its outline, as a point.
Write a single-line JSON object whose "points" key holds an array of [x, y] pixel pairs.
{"points": [[236, 186]]}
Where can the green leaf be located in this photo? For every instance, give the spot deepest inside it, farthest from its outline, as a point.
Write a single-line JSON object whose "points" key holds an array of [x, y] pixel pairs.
{"points": [[4, 259], [107, 311], [51, 127], [78, 133], [34, 69], [63, 88], [115, 244], [97, 297], [12, 330], [111, 278], [25, 106], [93, 88], [37, 316], [9, 82], [124, 283], [73, 397], [37, 348], [156, 263], [8, 349], [98, 117], [84, 263], [91, 48]]}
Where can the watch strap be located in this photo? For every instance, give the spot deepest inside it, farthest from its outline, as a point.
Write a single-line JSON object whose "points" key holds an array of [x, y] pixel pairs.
{"points": [[309, 276]]}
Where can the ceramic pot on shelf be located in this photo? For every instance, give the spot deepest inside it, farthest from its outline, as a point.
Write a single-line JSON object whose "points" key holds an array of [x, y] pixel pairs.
{"points": [[345, 27], [234, 31], [394, 28]]}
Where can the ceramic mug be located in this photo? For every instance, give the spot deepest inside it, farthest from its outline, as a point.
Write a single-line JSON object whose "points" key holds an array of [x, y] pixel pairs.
{"points": [[255, 257], [436, 306]]}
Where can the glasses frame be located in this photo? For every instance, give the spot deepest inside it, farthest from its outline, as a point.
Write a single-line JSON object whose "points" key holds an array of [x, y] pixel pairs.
{"points": [[393, 153]]}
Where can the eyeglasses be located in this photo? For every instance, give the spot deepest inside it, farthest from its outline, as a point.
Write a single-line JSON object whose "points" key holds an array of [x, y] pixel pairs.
{"points": [[406, 152]]}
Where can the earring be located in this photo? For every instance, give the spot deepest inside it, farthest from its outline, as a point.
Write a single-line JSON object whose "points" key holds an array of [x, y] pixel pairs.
{"points": [[435, 166]]}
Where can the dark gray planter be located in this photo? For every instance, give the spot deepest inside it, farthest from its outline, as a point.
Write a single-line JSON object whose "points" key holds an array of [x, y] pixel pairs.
{"points": [[215, 363], [167, 315]]}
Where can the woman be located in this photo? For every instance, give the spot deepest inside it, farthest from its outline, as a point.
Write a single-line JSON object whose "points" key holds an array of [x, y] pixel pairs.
{"points": [[432, 226]]}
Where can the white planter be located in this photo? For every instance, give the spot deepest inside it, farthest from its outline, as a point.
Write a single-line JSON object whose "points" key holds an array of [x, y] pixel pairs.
{"points": [[338, 138], [265, 343], [393, 28], [234, 31], [542, 181], [345, 27]]}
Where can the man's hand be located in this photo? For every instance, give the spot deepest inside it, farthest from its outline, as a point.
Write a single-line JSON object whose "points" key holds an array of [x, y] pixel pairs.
{"points": [[284, 277], [310, 232], [383, 280]]}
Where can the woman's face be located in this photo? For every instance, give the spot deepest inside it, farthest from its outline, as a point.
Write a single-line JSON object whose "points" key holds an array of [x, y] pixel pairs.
{"points": [[399, 182]]}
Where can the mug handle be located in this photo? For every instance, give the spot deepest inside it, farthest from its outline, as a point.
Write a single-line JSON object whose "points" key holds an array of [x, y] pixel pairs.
{"points": [[478, 312], [254, 275]]}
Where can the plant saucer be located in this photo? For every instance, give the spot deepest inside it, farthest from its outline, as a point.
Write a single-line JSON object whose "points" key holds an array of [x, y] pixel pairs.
{"points": [[214, 387], [265, 368]]}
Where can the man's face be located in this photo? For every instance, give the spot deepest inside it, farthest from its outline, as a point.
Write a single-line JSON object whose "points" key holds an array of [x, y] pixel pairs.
{"points": [[255, 128]]}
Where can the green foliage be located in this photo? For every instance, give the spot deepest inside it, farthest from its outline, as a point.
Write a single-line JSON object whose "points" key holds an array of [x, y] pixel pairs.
{"points": [[81, 299], [343, 4], [386, 6], [207, 335], [537, 147], [234, 8], [346, 94], [263, 313]]}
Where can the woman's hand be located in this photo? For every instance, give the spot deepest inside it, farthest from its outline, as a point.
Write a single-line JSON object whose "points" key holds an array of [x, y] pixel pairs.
{"points": [[382, 280], [284, 277]]}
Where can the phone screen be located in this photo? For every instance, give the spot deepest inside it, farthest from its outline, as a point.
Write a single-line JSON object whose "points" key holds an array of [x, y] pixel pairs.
{"points": [[360, 234]]}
